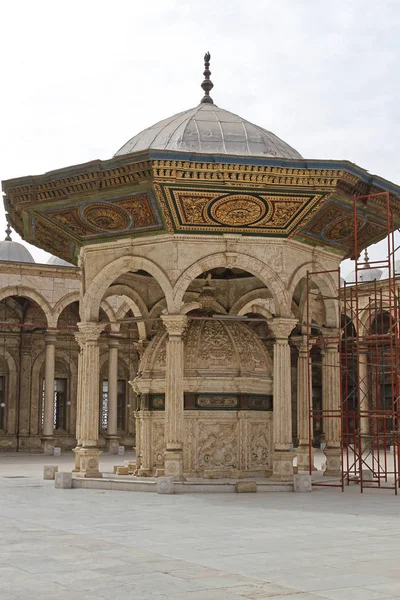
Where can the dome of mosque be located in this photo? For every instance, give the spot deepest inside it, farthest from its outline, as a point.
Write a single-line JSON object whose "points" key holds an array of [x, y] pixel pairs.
{"points": [[364, 275], [208, 129], [59, 262], [14, 251]]}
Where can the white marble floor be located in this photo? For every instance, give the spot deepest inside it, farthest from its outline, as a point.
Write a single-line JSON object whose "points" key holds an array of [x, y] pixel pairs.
{"points": [[97, 545]]}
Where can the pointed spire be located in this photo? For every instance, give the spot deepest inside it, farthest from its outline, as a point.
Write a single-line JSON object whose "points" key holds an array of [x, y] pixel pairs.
{"points": [[207, 84], [366, 258], [8, 230]]}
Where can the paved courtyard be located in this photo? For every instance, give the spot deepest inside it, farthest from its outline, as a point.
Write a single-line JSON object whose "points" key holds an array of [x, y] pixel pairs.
{"points": [[96, 544]]}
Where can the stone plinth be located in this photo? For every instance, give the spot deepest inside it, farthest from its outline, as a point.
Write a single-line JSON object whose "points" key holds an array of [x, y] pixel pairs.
{"points": [[283, 466], [333, 462], [49, 471], [48, 445], [165, 485], [63, 480], [302, 483], [89, 462]]}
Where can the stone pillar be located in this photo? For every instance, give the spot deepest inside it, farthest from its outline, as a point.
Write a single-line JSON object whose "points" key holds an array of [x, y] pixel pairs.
{"points": [[303, 413], [331, 399], [88, 399], [283, 453], [27, 428], [174, 399], [78, 406], [48, 420], [363, 397], [112, 437]]}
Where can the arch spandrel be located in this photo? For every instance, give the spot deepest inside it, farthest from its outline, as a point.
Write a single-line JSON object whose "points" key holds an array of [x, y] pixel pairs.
{"points": [[103, 280], [252, 265]]}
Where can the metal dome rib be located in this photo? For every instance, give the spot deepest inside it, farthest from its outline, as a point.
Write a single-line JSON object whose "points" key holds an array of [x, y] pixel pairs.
{"points": [[208, 129]]}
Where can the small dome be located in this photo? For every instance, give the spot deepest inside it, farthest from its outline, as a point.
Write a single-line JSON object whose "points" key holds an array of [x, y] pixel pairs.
{"points": [[364, 275], [58, 262], [15, 252], [208, 129], [213, 348]]}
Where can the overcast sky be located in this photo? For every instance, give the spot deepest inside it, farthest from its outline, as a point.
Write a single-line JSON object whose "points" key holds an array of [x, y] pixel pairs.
{"points": [[79, 78]]}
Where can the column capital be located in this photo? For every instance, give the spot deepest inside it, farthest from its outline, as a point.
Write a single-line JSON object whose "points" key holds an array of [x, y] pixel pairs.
{"points": [[300, 342], [331, 338], [88, 332], [175, 324], [282, 327]]}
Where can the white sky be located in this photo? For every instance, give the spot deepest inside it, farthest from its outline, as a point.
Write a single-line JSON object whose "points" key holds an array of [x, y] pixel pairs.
{"points": [[79, 78]]}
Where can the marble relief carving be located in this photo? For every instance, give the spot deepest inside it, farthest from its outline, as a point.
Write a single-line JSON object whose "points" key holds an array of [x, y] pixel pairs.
{"points": [[218, 442], [217, 446]]}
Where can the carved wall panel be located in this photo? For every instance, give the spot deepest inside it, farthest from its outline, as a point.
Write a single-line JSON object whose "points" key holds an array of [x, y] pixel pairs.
{"points": [[223, 441]]}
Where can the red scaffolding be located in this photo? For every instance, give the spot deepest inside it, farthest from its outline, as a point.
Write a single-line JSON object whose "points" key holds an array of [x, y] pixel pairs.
{"points": [[369, 349]]}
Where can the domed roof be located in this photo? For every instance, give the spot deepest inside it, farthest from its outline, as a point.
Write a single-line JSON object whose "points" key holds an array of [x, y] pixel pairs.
{"points": [[59, 262], [213, 348], [364, 275], [208, 129], [15, 252]]}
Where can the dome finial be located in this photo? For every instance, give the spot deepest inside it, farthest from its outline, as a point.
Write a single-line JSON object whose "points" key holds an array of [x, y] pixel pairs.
{"points": [[8, 230], [366, 258], [207, 84]]}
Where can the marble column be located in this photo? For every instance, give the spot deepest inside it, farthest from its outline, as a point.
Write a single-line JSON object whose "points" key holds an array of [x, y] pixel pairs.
{"points": [[88, 399], [303, 407], [49, 372], [331, 402], [112, 437], [78, 406], [363, 399], [174, 395], [27, 428], [283, 454]]}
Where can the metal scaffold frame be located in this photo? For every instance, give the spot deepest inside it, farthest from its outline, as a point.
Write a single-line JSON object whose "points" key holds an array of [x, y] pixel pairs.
{"points": [[369, 348]]}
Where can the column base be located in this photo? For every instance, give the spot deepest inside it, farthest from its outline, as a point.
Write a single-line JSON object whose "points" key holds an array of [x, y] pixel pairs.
{"points": [[173, 464], [143, 472], [77, 459], [303, 459], [333, 462], [282, 465], [89, 463], [112, 443], [48, 443]]}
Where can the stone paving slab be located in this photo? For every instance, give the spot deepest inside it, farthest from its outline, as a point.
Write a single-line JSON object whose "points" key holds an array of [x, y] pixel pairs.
{"points": [[97, 544]]}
